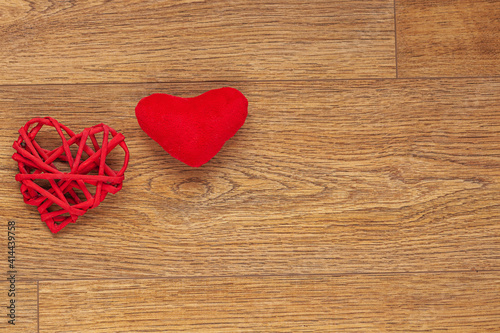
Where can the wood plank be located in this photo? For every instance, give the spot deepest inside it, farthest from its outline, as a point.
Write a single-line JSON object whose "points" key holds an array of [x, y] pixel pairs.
{"points": [[25, 309], [324, 177], [458, 302], [448, 38], [151, 41]]}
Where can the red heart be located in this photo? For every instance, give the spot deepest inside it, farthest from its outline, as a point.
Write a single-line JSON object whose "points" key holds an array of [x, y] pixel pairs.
{"points": [[36, 162], [193, 130]]}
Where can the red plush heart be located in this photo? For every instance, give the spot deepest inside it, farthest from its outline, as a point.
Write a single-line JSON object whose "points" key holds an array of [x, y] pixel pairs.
{"points": [[36, 162], [193, 130]]}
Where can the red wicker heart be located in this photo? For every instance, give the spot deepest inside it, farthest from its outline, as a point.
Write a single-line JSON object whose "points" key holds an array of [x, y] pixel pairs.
{"points": [[36, 162]]}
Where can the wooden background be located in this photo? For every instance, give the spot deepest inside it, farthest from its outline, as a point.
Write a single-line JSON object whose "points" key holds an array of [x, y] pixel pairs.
{"points": [[362, 193]]}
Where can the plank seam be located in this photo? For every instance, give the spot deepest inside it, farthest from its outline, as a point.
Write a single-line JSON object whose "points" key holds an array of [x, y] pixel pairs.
{"points": [[267, 275], [395, 40], [38, 306], [254, 81]]}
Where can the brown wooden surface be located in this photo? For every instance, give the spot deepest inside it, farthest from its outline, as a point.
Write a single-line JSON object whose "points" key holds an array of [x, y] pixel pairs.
{"points": [[26, 305], [448, 38], [415, 302], [351, 200], [137, 40], [318, 180]]}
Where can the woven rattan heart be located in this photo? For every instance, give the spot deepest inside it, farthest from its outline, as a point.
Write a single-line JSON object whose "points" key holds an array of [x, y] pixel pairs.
{"points": [[36, 163]]}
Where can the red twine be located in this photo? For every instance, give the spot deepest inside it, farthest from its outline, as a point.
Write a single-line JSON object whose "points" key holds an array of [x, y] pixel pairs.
{"points": [[36, 162]]}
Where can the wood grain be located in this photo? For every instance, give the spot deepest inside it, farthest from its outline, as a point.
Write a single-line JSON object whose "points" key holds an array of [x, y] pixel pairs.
{"points": [[359, 196], [150, 41], [26, 316], [344, 177], [448, 38], [457, 302]]}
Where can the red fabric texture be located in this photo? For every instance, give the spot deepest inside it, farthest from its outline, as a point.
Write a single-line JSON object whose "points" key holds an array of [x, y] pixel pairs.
{"points": [[193, 130], [36, 162]]}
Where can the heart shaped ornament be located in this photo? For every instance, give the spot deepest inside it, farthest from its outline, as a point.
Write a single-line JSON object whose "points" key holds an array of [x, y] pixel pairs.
{"points": [[67, 195], [193, 130]]}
